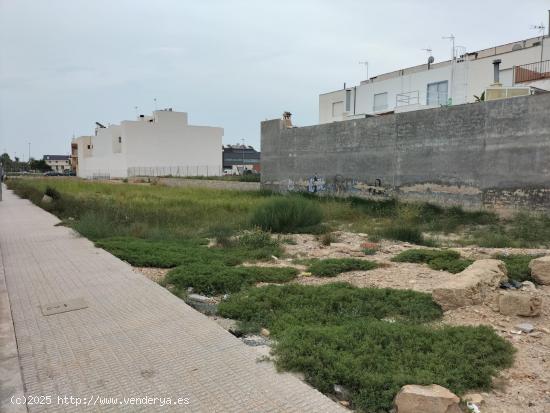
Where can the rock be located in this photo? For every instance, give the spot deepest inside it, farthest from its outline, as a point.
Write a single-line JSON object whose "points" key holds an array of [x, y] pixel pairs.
{"points": [[525, 327], [413, 398], [519, 303], [341, 392], [475, 285], [255, 341], [475, 398], [46, 199], [540, 270], [265, 332], [344, 403], [199, 298], [529, 286]]}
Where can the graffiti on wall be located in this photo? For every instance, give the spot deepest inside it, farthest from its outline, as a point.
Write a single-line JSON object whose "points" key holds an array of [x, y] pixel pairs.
{"points": [[337, 185]]}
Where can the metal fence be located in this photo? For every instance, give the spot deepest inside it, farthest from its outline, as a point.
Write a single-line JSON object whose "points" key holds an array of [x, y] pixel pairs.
{"points": [[187, 170], [532, 71]]}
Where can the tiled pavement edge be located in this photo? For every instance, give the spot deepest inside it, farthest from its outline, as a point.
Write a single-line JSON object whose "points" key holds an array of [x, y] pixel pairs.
{"points": [[134, 339], [11, 382]]}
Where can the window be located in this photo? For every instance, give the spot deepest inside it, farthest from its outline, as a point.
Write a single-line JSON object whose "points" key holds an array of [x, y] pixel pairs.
{"points": [[348, 100], [437, 93], [337, 108], [380, 101]]}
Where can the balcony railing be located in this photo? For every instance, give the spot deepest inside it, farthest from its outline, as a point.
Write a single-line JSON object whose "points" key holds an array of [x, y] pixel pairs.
{"points": [[532, 71]]}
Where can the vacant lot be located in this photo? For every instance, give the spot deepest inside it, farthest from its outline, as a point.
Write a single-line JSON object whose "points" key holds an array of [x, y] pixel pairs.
{"points": [[364, 339]]}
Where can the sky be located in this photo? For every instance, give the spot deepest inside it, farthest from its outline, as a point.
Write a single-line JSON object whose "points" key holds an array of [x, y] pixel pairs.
{"points": [[65, 64]]}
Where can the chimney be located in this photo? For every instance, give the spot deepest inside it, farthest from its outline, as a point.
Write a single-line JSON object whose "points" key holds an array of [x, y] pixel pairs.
{"points": [[496, 69]]}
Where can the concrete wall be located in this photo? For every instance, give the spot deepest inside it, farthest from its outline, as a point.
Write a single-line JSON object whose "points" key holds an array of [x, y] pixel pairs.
{"points": [[490, 154]]}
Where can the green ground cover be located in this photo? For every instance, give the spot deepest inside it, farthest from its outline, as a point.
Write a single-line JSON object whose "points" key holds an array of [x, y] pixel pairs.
{"points": [[447, 260], [372, 341]]}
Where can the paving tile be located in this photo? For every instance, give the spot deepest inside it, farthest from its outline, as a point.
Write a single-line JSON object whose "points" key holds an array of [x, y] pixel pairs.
{"points": [[135, 339]]}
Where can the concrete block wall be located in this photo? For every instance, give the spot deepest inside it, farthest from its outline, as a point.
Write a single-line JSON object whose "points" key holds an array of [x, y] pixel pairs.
{"points": [[490, 154]]}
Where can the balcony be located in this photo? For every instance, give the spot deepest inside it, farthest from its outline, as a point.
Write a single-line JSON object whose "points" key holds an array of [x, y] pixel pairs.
{"points": [[532, 71]]}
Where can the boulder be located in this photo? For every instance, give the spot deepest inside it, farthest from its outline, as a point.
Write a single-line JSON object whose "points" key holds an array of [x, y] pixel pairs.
{"points": [[413, 398], [540, 270], [519, 303], [46, 199], [476, 284]]}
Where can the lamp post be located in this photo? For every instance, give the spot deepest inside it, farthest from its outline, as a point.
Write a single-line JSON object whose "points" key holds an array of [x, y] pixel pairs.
{"points": [[243, 154]]}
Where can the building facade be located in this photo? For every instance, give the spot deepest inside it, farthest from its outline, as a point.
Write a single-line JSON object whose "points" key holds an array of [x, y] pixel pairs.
{"points": [[158, 145], [235, 156], [456, 81], [58, 163]]}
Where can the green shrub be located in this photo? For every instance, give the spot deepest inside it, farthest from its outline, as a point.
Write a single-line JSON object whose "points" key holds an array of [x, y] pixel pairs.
{"points": [[327, 239], [339, 334], [518, 266], [206, 278], [402, 233], [331, 267], [287, 215], [369, 251], [52, 193], [447, 260]]}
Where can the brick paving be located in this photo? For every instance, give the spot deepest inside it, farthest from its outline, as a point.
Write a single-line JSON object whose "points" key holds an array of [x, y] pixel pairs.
{"points": [[134, 339]]}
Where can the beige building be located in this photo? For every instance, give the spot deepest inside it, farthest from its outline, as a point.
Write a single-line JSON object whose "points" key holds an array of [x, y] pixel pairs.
{"points": [[58, 163]]}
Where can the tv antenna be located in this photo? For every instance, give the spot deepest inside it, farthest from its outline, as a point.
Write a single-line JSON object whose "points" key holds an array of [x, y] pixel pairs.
{"points": [[452, 39], [366, 64], [539, 27]]}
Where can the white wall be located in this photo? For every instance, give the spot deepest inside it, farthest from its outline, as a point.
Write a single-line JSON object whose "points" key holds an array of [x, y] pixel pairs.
{"points": [[159, 141]]}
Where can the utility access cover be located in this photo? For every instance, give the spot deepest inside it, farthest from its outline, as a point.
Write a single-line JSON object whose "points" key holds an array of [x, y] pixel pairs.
{"points": [[64, 306]]}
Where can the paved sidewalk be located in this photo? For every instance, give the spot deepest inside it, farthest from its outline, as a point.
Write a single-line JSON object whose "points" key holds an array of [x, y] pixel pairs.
{"points": [[134, 339]]}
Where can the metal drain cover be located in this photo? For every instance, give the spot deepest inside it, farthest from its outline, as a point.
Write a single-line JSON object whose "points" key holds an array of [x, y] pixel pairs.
{"points": [[64, 306]]}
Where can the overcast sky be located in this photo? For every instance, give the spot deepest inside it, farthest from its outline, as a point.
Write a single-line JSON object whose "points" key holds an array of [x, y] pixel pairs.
{"points": [[65, 64]]}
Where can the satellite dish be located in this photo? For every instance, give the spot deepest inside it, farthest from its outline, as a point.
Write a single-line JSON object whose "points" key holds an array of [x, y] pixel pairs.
{"points": [[431, 60]]}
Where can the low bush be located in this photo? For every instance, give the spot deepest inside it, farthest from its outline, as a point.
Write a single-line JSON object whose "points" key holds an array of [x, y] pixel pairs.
{"points": [[52, 193], [405, 233], [288, 215], [447, 260], [213, 279], [372, 341], [327, 239], [331, 267]]}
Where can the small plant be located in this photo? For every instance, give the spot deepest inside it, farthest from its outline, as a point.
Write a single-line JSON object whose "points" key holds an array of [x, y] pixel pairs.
{"points": [[327, 239], [52, 193], [447, 260], [369, 248], [288, 215], [517, 266], [403, 233], [331, 267]]}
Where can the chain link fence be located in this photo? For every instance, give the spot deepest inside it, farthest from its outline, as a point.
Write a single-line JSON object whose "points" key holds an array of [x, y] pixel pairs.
{"points": [[188, 170]]}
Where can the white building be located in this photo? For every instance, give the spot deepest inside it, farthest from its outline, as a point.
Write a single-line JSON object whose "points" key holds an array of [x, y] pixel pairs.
{"points": [[58, 163], [457, 81], [157, 145]]}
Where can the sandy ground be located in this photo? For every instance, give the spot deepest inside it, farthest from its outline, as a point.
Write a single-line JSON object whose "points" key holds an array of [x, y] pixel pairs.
{"points": [[523, 388]]}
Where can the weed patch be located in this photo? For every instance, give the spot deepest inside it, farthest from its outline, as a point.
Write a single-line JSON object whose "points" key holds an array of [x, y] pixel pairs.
{"points": [[338, 334], [331, 267], [213, 279], [517, 266], [447, 260], [288, 215]]}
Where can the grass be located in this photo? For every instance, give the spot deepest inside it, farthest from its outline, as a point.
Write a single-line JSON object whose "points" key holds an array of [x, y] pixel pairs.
{"points": [[331, 267], [288, 215], [339, 334], [446, 260], [518, 266]]}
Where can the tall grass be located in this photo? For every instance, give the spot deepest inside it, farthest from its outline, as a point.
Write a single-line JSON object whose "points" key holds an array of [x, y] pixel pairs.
{"points": [[286, 215]]}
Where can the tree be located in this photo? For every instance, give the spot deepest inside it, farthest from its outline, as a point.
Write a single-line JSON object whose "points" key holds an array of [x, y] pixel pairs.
{"points": [[39, 165], [6, 161]]}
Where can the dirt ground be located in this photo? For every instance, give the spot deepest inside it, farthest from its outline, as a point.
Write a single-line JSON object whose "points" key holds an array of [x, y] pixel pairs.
{"points": [[525, 387]]}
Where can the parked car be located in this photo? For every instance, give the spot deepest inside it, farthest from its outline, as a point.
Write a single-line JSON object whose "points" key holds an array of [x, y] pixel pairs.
{"points": [[53, 173]]}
